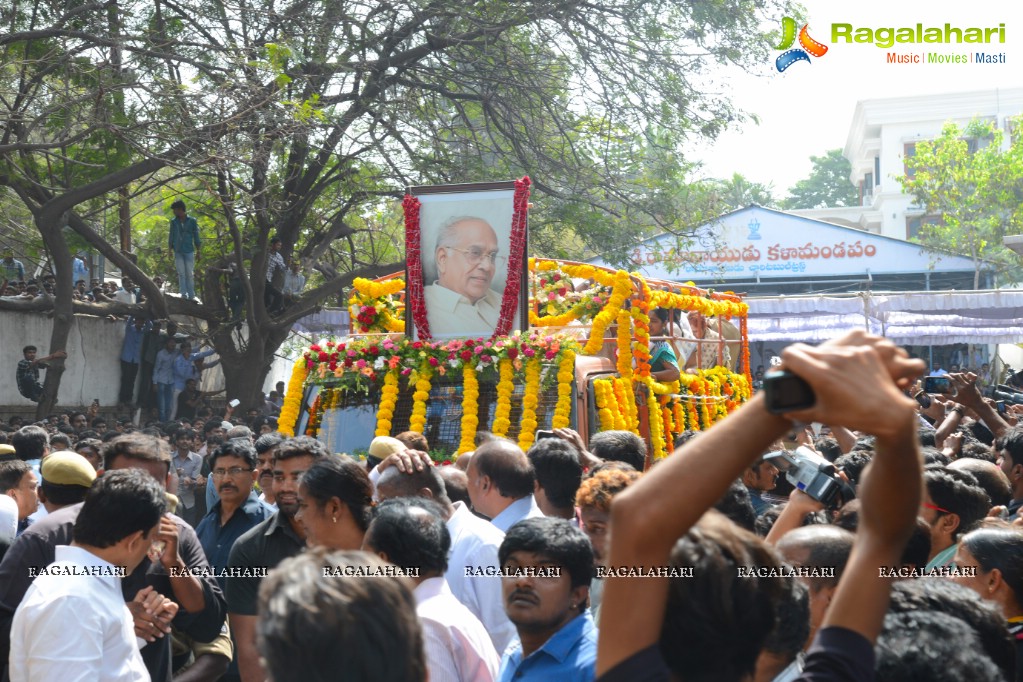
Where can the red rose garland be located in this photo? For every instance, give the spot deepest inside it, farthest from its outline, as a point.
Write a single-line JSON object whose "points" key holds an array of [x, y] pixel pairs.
{"points": [[413, 257], [510, 301]]}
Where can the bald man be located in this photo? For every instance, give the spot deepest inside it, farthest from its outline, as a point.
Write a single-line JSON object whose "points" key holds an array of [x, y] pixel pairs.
{"points": [[501, 482], [460, 302]]}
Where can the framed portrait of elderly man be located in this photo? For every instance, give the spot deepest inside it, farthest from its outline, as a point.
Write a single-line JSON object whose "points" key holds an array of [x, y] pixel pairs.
{"points": [[466, 268]]}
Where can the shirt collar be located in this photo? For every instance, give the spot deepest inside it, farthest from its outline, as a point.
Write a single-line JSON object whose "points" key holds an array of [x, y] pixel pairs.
{"points": [[448, 300], [516, 511], [431, 587], [277, 523], [83, 557], [564, 640]]}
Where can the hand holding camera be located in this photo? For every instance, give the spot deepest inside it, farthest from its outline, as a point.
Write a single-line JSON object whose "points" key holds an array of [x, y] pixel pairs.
{"points": [[854, 381]]}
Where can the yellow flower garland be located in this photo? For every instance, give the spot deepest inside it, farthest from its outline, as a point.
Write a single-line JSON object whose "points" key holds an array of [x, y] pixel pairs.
{"points": [[625, 345], [470, 409], [293, 400], [368, 292], [527, 431], [621, 287], [388, 399], [417, 422], [656, 423], [627, 401], [563, 408], [505, 388], [707, 306], [607, 405]]}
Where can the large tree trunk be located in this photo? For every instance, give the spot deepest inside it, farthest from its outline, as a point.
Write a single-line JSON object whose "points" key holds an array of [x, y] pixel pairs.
{"points": [[245, 367], [50, 225]]}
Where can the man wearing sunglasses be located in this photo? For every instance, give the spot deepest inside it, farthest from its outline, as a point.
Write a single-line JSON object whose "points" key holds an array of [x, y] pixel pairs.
{"points": [[953, 503], [460, 302]]}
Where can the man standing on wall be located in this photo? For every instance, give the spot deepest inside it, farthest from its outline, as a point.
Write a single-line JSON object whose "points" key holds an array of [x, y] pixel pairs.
{"points": [[183, 242]]}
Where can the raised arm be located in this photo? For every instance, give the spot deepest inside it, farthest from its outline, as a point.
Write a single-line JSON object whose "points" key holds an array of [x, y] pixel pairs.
{"points": [[856, 380], [890, 491]]}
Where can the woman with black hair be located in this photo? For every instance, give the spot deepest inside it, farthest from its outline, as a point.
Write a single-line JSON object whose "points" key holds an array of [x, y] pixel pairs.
{"points": [[663, 363], [335, 499], [996, 555]]}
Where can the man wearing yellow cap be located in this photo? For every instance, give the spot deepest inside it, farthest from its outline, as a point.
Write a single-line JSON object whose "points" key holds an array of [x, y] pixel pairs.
{"points": [[67, 476]]}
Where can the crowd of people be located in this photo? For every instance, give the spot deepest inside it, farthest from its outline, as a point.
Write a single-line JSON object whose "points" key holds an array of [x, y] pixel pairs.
{"points": [[242, 554]]}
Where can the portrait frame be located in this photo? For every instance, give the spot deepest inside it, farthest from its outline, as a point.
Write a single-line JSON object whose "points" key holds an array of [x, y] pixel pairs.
{"points": [[432, 209]]}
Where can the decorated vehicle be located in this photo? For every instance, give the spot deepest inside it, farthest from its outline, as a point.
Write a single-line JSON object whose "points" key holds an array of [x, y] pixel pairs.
{"points": [[478, 337]]}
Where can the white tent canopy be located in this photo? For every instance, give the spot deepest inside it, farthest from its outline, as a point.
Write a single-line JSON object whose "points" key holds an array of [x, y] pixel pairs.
{"points": [[919, 318]]}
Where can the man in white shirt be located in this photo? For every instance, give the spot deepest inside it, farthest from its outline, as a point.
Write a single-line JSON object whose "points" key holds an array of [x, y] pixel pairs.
{"points": [[411, 533], [73, 624], [188, 466], [294, 281], [501, 482], [460, 302], [126, 294], [474, 541]]}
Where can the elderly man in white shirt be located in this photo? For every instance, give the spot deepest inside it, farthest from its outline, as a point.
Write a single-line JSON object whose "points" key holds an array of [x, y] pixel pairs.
{"points": [[73, 624], [474, 541], [411, 533], [460, 302]]}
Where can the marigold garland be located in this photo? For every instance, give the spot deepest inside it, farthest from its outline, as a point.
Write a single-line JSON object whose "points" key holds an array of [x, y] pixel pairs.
{"points": [[505, 389], [621, 288], [626, 401], [388, 400], [607, 405], [372, 305], [527, 431], [624, 363], [669, 425], [656, 422], [563, 408], [470, 409], [293, 398], [417, 422]]}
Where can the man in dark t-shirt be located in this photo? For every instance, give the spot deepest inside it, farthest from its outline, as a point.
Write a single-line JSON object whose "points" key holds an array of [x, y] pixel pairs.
{"points": [[266, 545]]}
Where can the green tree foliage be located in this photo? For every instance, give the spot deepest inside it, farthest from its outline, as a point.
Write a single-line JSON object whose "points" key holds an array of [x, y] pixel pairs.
{"points": [[974, 188], [309, 119], [827, 186], [738, 192]]}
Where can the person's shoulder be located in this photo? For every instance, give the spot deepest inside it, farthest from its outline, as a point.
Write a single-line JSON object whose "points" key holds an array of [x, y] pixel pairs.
{"points": [[256, 534]]}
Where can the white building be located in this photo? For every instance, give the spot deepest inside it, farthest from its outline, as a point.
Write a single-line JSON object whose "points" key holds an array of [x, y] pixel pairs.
{"points": [[885, 131]]}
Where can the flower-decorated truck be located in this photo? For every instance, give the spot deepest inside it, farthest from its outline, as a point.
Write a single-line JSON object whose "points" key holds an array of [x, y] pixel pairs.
{"points": [[583, 362]]}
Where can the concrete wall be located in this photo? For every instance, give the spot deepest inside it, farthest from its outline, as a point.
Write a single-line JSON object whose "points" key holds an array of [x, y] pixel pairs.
{"points": [[92, 369]]}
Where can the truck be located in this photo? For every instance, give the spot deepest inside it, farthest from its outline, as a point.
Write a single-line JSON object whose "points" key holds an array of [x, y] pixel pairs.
{"points": [[583, 363]]}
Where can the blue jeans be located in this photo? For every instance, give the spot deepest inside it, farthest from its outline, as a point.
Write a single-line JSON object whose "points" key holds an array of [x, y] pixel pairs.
{"points": [[185, 265], [165, 400]]}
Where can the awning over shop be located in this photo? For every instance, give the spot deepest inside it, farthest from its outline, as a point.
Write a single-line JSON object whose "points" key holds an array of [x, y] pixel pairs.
{"points": [[917, 318]]}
